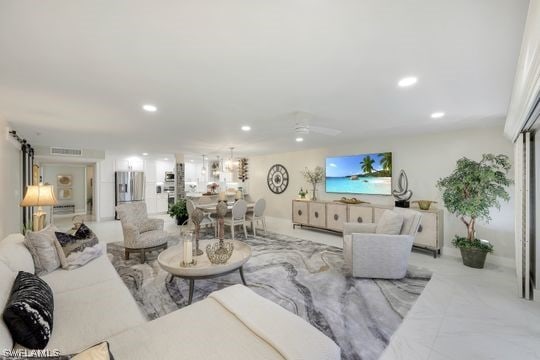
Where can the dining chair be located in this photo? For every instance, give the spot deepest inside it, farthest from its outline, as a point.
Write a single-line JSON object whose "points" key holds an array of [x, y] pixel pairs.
{"points": [[207, 220], [238, 217], [257, 215]]}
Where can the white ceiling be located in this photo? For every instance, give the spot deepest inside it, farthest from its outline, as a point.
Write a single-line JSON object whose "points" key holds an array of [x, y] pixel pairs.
{"points": [[77, 72]]}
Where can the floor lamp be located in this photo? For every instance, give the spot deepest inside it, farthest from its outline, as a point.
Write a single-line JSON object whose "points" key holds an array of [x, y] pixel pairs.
{"points": [[39, 195]]}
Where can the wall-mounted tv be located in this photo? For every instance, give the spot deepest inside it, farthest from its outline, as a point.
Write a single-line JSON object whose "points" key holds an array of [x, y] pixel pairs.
{"points": [[360, 174]]}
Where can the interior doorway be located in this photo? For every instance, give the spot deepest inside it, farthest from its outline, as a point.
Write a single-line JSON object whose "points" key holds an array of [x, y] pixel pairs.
{"points": [[74, 188]]}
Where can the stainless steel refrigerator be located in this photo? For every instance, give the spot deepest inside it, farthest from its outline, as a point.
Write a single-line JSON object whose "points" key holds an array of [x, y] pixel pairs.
{"points": [[129, 187]]}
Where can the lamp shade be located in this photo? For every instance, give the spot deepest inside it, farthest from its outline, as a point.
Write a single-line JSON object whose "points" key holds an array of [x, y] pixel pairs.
{"points": [[39, 195]]}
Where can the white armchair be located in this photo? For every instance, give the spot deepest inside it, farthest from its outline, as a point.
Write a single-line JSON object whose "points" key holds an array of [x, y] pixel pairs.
{"points": [[141, 234], [370, 253]]}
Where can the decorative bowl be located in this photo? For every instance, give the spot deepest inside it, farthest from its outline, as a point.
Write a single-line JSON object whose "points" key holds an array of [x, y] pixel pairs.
{"points": [[219, 252], [351, 201], [424, 204]]}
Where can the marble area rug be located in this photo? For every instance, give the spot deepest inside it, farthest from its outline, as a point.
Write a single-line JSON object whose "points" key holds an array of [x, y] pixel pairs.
{"points": [[304, 277]]}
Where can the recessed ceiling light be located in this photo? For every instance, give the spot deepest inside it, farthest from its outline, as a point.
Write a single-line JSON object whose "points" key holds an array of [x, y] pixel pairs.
{"points": [[408, 81], [149, 108], [246, 128], [165, 159], [299, 139], [437, 115], [145, 154]]}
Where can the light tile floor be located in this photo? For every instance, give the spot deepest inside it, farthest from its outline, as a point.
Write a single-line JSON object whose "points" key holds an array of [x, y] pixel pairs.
{"points": [[463, 313]]}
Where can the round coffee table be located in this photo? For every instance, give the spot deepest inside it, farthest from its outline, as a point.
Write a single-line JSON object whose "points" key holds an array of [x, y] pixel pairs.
{"points": [[170, 260]]}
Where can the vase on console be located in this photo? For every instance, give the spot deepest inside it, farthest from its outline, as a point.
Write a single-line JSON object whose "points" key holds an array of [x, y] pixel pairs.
{"points": [[314, 177]]}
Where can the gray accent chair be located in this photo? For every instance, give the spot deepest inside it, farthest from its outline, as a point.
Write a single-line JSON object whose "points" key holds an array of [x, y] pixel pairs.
{"points": [[141, 234], [370, 255]]}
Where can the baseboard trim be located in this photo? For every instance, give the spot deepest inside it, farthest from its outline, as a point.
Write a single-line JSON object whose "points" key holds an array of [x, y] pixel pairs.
{"points": [[491, 259], [536, 295]]}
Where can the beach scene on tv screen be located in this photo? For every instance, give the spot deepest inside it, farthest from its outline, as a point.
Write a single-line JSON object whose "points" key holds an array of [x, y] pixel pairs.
{"points": [[360, 174]]}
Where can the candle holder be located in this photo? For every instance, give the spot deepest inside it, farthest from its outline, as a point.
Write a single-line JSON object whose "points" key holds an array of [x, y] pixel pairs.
{"points": [[197, 217], [239, 195], [220, 252], [187, 256], [221, 211]]}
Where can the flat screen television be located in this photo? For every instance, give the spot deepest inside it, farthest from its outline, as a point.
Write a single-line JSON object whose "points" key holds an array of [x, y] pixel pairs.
{"points": [[360, 174]]}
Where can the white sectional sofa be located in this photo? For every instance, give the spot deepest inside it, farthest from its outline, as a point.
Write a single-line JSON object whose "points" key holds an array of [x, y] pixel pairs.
{"points": [[92, 304]]}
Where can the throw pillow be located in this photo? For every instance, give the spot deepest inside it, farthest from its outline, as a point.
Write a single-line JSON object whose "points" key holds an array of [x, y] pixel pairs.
{"points": [[97, 352], [29, 311], [78, 249], [390, 223], [41, 246]]}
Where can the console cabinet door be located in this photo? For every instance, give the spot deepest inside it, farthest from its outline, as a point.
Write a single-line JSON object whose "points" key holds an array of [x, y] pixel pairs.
{"points": [[360, 214], [317, 214], [336, 216], [300, 212], [427, 231]]}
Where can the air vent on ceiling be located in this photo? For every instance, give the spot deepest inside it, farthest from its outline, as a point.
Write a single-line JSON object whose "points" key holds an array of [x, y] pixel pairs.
{"points": [[65, 152]]}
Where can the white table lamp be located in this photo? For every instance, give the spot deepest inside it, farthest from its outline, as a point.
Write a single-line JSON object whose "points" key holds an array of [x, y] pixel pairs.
{"points": [[39, 195]]}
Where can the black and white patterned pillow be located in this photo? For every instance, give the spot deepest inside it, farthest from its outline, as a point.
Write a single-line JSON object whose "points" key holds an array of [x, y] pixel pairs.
{"points": [[78, 249], [29, 311]]}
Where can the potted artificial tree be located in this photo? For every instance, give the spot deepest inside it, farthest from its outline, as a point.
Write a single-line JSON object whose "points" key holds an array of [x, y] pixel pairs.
{"points": [[469, 192], [179, 211]]}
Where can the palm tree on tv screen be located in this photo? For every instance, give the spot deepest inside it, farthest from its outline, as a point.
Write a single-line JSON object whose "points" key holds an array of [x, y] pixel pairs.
{"points": [[367, 164], [386, 160]]}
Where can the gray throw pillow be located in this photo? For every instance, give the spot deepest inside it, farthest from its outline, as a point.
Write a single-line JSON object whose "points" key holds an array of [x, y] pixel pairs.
{"points": [[390, 223], [42, 247]]}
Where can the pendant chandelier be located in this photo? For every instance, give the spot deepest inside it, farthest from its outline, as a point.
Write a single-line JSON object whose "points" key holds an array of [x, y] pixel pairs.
{"points": [[203, 170], [216, 167], [229, 165]]}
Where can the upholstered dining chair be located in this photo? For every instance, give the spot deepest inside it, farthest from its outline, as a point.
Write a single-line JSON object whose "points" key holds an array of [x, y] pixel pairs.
{"points": [[248, 198], [141, 234], [207, 220], [257, 215], [381, 250], [238, 217]]}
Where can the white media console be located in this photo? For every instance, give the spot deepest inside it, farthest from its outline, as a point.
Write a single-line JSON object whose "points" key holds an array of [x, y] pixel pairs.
{"points": [[328, 215]]}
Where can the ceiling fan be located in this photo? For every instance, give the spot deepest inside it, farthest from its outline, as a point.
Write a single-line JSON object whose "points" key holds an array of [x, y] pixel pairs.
{"points": [[303, 125]]}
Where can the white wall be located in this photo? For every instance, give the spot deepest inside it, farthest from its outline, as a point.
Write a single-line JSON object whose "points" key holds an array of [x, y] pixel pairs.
{"points": [[78, 173], [154, 173], [425, 158], [10, 183]]}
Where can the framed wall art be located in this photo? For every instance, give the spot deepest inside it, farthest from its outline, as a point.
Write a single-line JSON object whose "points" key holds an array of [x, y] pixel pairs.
{"points": [[64, 180], [65, 194]]}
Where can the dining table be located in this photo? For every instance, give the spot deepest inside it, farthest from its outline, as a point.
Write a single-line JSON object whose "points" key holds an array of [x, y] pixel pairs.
{"points": [[210, 208]]}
